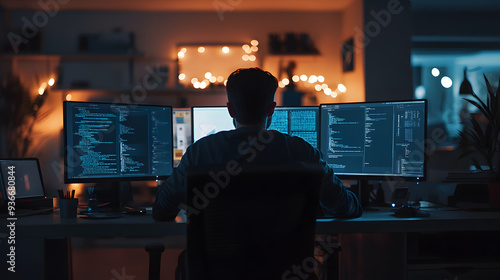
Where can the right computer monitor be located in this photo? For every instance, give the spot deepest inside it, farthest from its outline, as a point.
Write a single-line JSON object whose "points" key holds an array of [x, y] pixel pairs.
{"points": [[375, 139]]}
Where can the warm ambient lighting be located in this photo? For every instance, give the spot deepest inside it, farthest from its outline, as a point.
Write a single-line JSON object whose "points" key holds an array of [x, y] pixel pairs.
{"points": [[182, 76], [201, 49], [446, 82], [51, 82], [317, 87], [68, 97], [254, 48], [246, 47], [281, 84], [321, 79], [303, 78], [254, 43], [42, 88], [252, 57], [342, 88], [285, 81], [220, 79], [327, 91], [208, 75], [194, 80], [245, 57], [225, 49], [313, 79], [295, 78], [180, 54], [334, 94], [213, 79], [435, 72]]}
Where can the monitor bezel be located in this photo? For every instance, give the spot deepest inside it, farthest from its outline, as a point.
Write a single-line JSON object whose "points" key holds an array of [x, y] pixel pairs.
{"points": [[391, 178], [118, 178]]}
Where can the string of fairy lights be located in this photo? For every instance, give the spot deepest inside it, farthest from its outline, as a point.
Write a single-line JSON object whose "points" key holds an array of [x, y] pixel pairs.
{"points": [[210, 79]]}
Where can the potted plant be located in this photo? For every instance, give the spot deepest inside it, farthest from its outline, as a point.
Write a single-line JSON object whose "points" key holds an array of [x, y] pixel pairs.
{"points": [[19, 111], [480, 139]]}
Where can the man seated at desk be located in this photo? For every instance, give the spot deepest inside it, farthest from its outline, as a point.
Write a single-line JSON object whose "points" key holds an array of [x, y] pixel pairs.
{"points": [[251, 104]]}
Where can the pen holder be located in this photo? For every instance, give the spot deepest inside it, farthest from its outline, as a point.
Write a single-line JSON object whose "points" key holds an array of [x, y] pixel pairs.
{"points": [[68, 207]]}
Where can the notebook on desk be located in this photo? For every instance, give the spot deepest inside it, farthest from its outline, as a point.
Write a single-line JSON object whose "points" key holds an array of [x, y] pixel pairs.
{"points": [[21, 182]]}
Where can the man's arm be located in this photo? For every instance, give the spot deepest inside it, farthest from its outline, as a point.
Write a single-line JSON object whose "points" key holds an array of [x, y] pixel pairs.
{"points": [[170, 195], [335, 199]]}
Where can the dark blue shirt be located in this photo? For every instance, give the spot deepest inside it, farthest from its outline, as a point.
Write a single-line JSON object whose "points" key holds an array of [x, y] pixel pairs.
{"points": [[254, 146]]}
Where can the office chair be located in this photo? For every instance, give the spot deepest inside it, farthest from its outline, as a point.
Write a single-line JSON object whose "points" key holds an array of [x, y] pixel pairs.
{"points": [[252, 221]]}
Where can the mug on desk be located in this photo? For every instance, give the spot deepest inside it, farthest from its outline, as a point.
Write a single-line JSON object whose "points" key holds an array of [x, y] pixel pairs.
{"points": [[68, 207]]}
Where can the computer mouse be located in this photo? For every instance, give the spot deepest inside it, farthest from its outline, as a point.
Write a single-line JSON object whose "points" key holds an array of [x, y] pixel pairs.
{"points": [[406, 212]]}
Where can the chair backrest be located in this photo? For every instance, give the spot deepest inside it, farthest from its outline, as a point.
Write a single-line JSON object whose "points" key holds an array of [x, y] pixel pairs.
{"points": [[250, 221]]}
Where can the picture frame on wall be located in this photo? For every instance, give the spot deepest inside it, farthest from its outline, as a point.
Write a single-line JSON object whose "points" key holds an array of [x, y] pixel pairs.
{"points": [[348, 55]]}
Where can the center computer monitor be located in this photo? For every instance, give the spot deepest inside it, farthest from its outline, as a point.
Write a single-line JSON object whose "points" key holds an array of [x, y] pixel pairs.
{"points": [[295, 121], [107, 142], [375, 140]]}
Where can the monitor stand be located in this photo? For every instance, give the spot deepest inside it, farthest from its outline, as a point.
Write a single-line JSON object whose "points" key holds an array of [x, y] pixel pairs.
{"points": [[364, 190], [115, 194]]}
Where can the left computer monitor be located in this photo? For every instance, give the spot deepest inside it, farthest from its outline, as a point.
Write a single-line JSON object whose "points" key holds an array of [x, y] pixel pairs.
{"points": [[117, 142]]}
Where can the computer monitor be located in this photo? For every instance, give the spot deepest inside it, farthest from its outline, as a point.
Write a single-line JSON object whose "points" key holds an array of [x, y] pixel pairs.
{"points": [[375, 140], [210, 120], [297, 121], [117, 142]]}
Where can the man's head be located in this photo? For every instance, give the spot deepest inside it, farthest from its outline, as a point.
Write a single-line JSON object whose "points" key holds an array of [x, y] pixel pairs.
{"points": [[250, 93]]}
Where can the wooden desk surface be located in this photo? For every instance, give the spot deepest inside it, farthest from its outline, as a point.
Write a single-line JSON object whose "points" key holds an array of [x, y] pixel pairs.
{"points": [[51, 225]]}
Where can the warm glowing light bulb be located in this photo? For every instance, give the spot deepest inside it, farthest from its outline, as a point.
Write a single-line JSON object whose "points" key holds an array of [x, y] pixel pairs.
{"points": [[201, 49], [220, 79], [182, 76], [225, 82], [208, 75], [225, 49], [68, 97], [313, 79], [446, 82], [42, 88], [435, 72], [323, 86], [303, 78], [245, 57], [184, 50], [252, 57], [317, 87], [281, 85], [327, 91], [194, 80], [321, 79], [254, 48], [196, 85], [213, 79], [245, 47], [254, 43], [285, 81], [334, 94], [248, 51], [342, 88], [51, 82], [180, 54], [295, 78], [203, 85]]}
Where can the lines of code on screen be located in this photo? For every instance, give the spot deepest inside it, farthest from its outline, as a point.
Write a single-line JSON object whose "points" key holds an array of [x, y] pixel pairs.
{"points": [[374, 139], [297, 121], [117, 141]]}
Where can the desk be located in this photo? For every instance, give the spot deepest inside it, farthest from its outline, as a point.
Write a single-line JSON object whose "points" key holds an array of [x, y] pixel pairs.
{"points": [[376, 235]]}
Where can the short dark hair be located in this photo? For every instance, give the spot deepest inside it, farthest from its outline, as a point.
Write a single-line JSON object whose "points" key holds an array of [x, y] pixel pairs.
{"points": [[251, 92]]}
